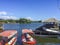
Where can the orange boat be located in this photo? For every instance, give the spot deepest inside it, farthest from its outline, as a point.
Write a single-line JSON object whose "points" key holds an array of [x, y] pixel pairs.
{"points": [[28, 40], [8, 37], [27, 31]]}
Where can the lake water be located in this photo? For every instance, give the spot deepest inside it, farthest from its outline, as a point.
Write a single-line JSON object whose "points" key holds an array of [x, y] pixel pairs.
{"points": [[19, 28]]}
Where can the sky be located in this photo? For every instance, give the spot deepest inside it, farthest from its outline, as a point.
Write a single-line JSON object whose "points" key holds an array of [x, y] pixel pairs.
{"points": [[30, 9]]}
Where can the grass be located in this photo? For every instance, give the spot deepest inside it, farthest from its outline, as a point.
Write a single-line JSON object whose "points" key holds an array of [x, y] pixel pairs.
{"points": [[46, 40]]}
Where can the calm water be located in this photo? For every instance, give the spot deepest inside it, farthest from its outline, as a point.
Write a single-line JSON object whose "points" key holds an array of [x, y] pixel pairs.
{"points": [[19, 28]]}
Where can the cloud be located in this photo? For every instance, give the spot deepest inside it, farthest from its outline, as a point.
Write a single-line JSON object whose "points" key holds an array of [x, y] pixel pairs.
{"points": [[32, 19], [29, 18], [8, 17], [3, 13]]}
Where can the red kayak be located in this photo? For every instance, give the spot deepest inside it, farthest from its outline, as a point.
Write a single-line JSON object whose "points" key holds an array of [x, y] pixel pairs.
{"points": [[28, 40]]}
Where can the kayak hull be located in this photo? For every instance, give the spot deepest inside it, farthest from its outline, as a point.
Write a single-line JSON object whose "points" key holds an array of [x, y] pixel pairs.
{"points": [[28, 42]]}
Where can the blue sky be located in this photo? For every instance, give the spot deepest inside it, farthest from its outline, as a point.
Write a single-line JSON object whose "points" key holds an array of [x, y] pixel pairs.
{"points": [[33, 9]]}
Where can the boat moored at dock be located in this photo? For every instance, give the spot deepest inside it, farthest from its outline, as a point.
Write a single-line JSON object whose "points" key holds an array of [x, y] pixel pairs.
{"points": [[28, 40], [9, 37]]}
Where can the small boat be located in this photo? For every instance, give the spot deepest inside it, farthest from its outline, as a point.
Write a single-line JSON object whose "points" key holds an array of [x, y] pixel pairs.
{"points": [[28, 40], [8, 37]]}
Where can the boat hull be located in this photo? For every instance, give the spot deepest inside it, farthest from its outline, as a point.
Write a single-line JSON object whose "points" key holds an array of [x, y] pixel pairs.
{"points": [[29, 42]]}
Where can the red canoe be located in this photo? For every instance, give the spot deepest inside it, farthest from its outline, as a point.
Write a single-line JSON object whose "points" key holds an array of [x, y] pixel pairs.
{"points": [[28, 40]]}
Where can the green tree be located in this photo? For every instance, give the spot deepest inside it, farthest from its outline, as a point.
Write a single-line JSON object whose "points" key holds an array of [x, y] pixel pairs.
{"points": [[24, 20]]}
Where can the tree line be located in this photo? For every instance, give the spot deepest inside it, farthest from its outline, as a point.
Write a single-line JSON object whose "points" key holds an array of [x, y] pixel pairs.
{"points": [[21, 20]]}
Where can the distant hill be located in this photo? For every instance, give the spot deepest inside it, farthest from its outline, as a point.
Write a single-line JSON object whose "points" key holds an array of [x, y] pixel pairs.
{"points": [[51, 20]]}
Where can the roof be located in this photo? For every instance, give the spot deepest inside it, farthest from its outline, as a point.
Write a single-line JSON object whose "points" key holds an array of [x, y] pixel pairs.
{"points": [[8, 33]]}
